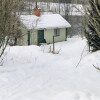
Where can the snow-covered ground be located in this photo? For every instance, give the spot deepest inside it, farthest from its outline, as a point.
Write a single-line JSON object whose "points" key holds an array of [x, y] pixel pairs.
{"points": [[32, 73]]}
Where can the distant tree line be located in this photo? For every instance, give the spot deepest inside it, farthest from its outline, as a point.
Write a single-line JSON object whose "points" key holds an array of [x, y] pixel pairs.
{"points": [[58, 1]]}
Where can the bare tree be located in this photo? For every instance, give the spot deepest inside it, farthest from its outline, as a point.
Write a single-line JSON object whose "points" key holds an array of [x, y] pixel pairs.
{"points": [[9, 12]]}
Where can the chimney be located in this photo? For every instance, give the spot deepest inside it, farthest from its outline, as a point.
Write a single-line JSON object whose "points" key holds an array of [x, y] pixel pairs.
{"points": [[36, 10]]}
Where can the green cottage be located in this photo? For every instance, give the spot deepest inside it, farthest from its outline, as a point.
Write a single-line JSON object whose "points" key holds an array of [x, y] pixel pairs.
{"points": [[41, 29]]}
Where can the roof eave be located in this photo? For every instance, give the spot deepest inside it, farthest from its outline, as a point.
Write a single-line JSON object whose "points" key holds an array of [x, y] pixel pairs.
{"points": [[52, 27]]}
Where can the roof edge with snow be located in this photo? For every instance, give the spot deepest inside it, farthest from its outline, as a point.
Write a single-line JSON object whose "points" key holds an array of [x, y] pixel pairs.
{"points": [[47, 21]]}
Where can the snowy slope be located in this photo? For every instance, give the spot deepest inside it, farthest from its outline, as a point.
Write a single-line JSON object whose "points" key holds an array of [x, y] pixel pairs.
{"points": [[31, 73]]}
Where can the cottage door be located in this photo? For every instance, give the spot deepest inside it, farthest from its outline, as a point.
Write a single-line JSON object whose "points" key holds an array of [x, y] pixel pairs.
{"points": [[40, 36]]}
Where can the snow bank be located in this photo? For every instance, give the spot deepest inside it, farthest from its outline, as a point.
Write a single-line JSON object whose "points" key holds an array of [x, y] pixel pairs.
{"points": [[74, 95], [31, 73]]}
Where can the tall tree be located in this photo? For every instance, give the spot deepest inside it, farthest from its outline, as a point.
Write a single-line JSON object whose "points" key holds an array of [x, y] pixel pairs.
{"points": [[92, 30]]}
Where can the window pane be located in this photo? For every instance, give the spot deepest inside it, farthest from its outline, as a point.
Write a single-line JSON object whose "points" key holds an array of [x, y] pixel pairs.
{"points": [[56, 32]]}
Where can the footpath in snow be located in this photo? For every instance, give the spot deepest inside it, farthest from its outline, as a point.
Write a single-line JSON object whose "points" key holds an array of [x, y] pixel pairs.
{"points": [[32, 73]]}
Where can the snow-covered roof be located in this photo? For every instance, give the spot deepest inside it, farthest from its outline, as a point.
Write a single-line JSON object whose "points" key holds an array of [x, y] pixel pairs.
{"points": [[52, 21], [49, 21], [29, 20]]}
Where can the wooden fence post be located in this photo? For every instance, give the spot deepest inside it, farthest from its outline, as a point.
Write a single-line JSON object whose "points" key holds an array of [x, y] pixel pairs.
{"points": [[53, 45]]}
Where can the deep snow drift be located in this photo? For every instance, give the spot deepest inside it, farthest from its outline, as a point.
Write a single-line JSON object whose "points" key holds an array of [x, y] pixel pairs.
{"points": [[32, 73]]}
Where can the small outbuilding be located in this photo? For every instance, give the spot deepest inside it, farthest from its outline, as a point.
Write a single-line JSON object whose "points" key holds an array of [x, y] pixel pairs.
{"points": [[42, 29]]}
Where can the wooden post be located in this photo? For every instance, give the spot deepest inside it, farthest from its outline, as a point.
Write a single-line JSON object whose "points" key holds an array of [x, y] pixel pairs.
{"points": [[89, 47], [53, 45], [28, 37], [66, 34]]}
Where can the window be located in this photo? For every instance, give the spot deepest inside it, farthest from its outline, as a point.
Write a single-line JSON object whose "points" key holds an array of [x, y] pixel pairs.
{"points": [[56, 32]]}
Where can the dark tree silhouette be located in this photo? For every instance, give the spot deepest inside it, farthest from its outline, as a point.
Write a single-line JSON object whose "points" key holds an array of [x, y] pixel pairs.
{"points": [[92, 31]]}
